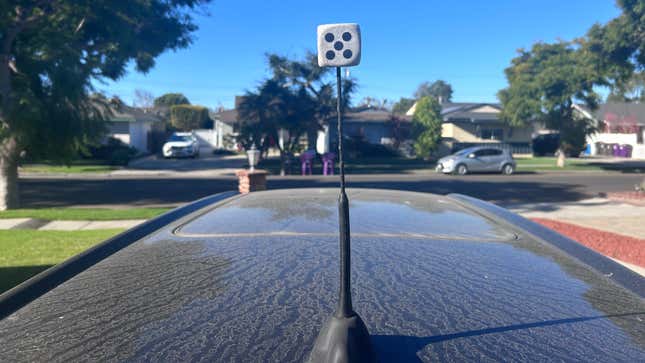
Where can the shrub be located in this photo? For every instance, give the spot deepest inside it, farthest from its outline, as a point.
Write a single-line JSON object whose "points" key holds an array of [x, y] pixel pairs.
{"points": [[122, 156], [188, 117], [114, 151], [546, 144], [357, 147]]}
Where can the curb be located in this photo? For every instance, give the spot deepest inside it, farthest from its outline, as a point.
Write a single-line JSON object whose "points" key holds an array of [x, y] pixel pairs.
{"points": [[66, 225]]}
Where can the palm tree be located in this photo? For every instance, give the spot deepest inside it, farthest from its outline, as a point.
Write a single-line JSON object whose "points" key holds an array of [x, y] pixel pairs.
{"points": [[306, 76]]}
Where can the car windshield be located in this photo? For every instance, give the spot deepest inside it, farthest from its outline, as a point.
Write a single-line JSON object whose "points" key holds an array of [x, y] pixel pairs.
{"points": [[179, 138]]}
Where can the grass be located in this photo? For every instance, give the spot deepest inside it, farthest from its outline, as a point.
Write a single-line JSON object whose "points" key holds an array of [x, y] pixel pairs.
{"points": [[389, 165], [71, 169], [383, 165], [24, 253], [88, 214], [549, 163]]}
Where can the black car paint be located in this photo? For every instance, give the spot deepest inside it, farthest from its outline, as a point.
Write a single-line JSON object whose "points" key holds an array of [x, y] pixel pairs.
{"points": [[436, 278]]}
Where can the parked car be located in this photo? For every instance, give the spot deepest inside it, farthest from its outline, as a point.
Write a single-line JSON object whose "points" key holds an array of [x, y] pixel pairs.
{"points": [[252, 278], [477, 159], [181, 144]]}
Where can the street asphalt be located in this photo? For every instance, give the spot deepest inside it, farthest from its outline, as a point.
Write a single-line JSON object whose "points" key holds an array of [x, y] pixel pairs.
{"points": [[178, 187]]}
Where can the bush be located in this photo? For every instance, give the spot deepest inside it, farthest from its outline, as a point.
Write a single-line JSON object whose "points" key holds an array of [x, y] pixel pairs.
{"points": [[223, 152], [357, 147], [114, 152], [189, 117], [546, 144], [121, 156]]}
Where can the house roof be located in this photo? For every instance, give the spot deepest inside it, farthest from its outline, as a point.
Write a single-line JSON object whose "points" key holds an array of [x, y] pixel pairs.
{"points": [[621, 113], [466, 112], [226, 116], [367, 115], [125, 113], [114, 110]]}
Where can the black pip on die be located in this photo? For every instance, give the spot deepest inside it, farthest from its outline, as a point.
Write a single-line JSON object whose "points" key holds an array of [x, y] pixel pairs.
{"points": [[339, 45]]}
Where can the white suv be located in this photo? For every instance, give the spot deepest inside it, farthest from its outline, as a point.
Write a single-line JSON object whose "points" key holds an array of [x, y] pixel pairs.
{"points": [[181, 144]]}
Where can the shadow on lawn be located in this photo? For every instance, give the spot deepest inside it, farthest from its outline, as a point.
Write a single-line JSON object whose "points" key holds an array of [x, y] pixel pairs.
{"points": [[627, 166], [12, 276]]}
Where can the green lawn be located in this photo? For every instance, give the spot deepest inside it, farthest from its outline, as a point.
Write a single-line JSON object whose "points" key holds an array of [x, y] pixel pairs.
{"points": [[358, 166], [549, 163], [89, 214], [24, 253], [405, 165], [71, 169]]}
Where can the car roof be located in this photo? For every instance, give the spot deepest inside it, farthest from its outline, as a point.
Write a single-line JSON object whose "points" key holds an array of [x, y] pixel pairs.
{"points": [[477, 148], [252, 278]]}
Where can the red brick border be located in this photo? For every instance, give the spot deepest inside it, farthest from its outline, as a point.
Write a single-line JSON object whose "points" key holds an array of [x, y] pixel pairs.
{"points": [[624, 248]]}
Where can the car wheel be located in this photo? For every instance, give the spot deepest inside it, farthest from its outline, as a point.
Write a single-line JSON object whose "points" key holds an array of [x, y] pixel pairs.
{"points": [[508, 169], [461, 169]]}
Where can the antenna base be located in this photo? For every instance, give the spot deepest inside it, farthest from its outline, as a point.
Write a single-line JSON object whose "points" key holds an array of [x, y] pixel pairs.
{"points": [[343, 339]]}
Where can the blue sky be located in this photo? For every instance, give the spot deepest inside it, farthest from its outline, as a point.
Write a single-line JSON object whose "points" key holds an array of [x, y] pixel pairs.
{"points": [[466, 43]]}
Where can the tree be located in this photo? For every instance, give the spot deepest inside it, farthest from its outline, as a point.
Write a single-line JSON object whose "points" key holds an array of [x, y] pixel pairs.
{"points": [[440, 90], [143, 99], [50, 51], [315, 81], [188, 117], [619, 51], [171, 99], [630, 90], [269, 111], [619, 46], [426, 126], [403, 105], [544, 83]]}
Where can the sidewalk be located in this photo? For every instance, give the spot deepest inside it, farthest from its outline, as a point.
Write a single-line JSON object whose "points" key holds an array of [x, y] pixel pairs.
{"points": [[615, 229], [597, 213], [43, 225]]}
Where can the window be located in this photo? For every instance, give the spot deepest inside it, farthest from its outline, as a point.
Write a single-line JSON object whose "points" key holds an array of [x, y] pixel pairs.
{"points": [[492, 134], [488, 152]]}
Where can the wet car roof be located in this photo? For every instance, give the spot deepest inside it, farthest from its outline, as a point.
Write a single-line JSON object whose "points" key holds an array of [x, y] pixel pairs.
{"points": [[253, 278]]}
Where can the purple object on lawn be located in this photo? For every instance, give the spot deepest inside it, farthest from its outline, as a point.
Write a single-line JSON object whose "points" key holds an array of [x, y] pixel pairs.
{"points": [[306, 161], [328, 163]]}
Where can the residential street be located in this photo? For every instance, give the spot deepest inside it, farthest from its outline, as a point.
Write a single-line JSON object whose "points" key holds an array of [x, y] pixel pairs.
{"points": [[170, 188]]}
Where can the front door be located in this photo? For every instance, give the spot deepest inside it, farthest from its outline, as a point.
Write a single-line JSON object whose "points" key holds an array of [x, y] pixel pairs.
{"points": [[477, 163]]}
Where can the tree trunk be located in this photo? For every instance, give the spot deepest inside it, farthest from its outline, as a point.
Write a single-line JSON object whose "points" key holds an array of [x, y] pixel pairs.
{"points": [[9, 174], [561, 158], [312, 138], [282, 163]]}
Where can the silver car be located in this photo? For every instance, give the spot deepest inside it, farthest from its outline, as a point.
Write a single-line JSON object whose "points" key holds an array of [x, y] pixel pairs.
{"points": [[477, 159]]}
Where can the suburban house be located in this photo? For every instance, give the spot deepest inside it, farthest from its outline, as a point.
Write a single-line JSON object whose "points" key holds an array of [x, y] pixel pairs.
{"points": [[133, 126], [468, 124], [224, 128], [464, 125], [618, 123], [372, 124]]}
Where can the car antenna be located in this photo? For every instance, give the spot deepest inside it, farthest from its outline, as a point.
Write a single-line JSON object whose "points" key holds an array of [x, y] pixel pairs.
{"points": [[344, 337]]}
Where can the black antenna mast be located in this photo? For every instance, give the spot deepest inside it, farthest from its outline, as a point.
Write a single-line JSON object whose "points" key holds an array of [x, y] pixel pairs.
{"points": [[344, 337]]}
